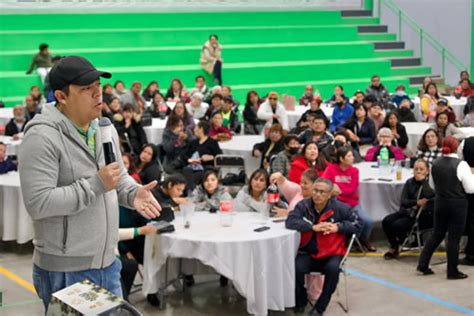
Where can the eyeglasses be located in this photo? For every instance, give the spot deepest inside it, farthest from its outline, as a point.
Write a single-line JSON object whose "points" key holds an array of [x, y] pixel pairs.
{"points": [[320, 192]]}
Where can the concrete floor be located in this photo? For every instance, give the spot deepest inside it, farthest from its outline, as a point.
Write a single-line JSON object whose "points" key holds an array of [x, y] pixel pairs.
{"points": [[376, 287]]}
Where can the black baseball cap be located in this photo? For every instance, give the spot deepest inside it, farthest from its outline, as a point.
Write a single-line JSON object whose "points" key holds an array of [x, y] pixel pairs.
{"points": [[74, 70], [443, 101]]}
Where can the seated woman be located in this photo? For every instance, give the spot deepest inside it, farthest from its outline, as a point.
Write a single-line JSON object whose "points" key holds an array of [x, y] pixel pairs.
{"points": [[293, 192], [360, 129], [129, 165], [131, 133], [416, 194], [148, 168], [158, 107], [208, 195], [170, 196], [308, 159], [315, 109], [429, 146], [444, 128], [385, 138], [199, 155], [338, 91], [271, 146], [428, 102], [400, 137], [253, 197], [176, 92], [346, 176], [341, 138], [180, 111], [253, 125], [217, 131], [281, 161], [176, 140], [151, 90]]}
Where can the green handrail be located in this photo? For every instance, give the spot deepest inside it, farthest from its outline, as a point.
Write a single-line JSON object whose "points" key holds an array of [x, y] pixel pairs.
{"points": [[446, 54]]}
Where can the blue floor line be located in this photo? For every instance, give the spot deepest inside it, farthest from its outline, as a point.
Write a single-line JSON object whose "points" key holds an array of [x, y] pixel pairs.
{"points": [[412, 292]]}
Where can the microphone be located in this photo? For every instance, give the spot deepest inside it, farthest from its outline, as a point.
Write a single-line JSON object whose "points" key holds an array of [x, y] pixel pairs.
{"points": [[106, 131]]}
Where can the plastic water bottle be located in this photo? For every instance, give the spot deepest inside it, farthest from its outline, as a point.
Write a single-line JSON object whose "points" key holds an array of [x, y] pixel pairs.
{"points": [[384, 162], [226, 213]]}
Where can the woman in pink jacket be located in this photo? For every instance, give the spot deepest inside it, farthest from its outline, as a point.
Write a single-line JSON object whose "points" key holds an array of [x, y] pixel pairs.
{"points": [[346, 176]]}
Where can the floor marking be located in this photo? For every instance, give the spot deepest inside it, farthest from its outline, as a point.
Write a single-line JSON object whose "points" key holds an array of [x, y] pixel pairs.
{"points": [[18, 280]]}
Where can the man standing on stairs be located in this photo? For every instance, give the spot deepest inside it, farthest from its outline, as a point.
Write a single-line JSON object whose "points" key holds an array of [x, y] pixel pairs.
{"points": [[43, 62], [211, 59], [378, 90]]}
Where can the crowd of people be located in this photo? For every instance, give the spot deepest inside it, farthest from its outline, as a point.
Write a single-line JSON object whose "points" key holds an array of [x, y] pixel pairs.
{"points": [[311, 163]]}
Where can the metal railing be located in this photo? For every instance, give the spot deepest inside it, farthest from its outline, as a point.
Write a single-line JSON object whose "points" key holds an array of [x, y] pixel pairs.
{"points": [[403, 17]]}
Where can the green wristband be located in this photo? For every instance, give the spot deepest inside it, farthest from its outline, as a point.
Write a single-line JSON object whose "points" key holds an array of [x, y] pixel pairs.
{"points": [[135, 232]]}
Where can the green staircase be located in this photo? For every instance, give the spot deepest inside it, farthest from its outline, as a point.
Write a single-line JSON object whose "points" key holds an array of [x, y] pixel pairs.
{"points": [[264, 51]]}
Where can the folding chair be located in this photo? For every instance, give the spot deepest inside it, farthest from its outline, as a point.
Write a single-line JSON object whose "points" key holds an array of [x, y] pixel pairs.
{"points": [[232, 171], [342, 268], [415, 234]]}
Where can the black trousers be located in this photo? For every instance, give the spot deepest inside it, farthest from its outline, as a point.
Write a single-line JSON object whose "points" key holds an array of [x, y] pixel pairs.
{"points": [[449, 217], [127, 275], [470, 228], [217, 72], [193, 177], [397, 226], [304, 264]]}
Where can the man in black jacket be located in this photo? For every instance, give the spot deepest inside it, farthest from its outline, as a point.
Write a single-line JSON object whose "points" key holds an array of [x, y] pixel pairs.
{"points": [[323, 223], [467, 149], [17, 123]]}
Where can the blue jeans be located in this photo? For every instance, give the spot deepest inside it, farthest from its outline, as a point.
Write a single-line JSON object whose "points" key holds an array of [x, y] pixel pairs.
{"points": [[366, 221], [48, 282]]}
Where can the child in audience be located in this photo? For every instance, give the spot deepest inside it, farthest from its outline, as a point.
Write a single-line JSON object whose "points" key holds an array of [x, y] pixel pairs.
{"points": [[416, 194]]}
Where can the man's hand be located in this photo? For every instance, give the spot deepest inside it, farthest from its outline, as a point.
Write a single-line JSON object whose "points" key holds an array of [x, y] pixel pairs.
{"points": [[330, 228], [319, 227], [421, 202], [110, 175], [145, 203], [280, 212]]}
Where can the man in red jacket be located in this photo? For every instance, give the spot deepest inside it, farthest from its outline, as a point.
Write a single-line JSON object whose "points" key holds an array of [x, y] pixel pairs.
{"points": [[324, 224]]}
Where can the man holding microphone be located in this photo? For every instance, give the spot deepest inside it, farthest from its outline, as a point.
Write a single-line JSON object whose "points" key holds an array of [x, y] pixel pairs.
{"points": [[69, 190]]}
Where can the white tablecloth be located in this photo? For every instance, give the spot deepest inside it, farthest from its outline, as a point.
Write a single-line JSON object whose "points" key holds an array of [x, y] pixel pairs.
{"points": [[243, 145], [294, 116], [415, 132], [260, 265], [15, 223], [456, 104], [12, 145], [6, 114], [380, 198]]}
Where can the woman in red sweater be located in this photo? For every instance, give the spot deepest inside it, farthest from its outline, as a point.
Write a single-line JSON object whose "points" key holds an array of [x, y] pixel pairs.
{"points": [[217, 131], [346, 176], [309, 158]]}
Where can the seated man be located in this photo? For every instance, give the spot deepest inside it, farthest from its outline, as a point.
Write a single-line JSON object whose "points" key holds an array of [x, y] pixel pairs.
{"points": [[17, 124], [231, 121], [317, 132], [307, 96], [323, 223]]}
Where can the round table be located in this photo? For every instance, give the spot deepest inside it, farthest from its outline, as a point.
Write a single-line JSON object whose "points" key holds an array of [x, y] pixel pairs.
{"points": [[415, 132], [377, 197], [261, 265], [15, 223], [243, 146], [456, 104], [294, 116]]}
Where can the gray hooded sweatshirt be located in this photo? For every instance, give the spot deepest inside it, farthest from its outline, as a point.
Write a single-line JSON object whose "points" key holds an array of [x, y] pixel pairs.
{"points": [[75, 220]]}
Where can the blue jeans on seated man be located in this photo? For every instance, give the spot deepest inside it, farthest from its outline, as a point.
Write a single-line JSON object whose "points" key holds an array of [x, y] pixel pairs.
{"points": [[48, 282], [366, 221]]}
